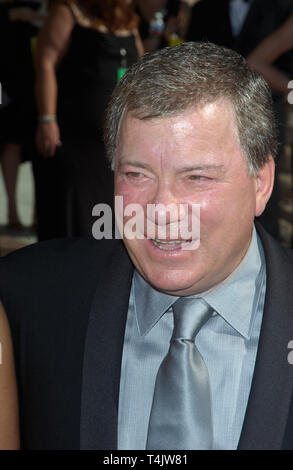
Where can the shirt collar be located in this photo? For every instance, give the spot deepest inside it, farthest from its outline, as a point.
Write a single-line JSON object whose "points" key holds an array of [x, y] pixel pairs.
{"points": [[149, 304], [235, 299]]}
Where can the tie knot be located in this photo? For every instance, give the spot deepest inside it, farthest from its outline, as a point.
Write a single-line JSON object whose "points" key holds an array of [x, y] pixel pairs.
{"points": [[190, 314]]}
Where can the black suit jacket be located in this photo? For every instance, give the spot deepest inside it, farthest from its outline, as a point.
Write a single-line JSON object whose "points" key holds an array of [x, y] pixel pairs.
{"points": [[211, 21], [67, 303]]}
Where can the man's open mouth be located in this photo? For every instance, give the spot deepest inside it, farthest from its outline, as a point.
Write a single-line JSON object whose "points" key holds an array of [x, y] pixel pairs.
{"points": [[170, 245]]}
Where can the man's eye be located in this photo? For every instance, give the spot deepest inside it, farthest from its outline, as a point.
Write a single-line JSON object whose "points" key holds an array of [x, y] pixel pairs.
{"points": [[198, 178], [134, 174]]}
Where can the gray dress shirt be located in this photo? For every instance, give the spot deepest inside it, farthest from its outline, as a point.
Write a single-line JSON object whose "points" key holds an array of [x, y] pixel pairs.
{"points": [[228, 343]]}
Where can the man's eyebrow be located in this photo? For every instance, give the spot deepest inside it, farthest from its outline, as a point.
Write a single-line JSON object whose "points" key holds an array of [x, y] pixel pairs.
{"points": [[212, 166], [135, 163], [183, 169]]}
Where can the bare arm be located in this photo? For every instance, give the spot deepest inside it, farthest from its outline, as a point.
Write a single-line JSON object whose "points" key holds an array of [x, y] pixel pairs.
{"points": [[9, 431], [138, 43], [52, 44], [268, 51]]}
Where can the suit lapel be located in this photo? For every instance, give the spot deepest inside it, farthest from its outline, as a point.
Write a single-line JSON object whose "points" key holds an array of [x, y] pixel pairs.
{"points": [[102, 354], [269, 401]]}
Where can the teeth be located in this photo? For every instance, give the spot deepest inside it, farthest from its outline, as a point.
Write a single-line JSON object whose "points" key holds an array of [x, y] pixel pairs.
{"points": [[168, 242], [163, 244]]}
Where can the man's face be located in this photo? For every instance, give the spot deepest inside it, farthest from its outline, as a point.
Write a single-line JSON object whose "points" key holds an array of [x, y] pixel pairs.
{"points": [[193, 158]]}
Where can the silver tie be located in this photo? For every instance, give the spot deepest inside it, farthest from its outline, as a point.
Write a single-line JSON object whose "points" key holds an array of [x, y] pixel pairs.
{"points": [[181, 414]]}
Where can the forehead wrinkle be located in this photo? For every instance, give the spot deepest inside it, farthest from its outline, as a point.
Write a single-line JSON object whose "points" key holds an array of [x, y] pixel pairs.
{"points": [[179, 126]]}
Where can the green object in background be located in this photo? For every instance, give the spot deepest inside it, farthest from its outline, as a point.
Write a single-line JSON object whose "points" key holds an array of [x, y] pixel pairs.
{"points": [[120, 72], [174, 40]]}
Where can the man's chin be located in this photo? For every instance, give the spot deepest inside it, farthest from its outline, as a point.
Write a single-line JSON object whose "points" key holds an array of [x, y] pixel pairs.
{"points": [[173, 286]]}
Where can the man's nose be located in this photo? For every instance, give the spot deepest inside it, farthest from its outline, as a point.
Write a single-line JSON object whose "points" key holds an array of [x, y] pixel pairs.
{"points": [[164, 207]]}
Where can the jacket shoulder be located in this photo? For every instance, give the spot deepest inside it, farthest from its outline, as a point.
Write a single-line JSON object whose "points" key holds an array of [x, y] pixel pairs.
{"points": [[277, 256], [41, 270], [55, 252]]}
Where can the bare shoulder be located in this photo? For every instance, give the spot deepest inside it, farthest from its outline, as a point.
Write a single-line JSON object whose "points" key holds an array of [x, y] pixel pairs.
{"points": [[138, 42], [9, 431], [60, 21], [54, 37], [4, 331], [79, 16], [63, 12]]}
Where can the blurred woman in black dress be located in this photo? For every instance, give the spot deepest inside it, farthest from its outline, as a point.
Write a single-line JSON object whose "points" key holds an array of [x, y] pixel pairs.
{"points": [[19, 24], [81, 53]]}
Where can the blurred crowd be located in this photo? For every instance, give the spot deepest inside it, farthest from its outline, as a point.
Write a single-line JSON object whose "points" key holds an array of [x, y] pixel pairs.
{"points": [[59, 63]]}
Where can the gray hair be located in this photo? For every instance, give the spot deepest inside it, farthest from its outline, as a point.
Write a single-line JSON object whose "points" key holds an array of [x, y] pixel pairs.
{"points": [[174, 79]]}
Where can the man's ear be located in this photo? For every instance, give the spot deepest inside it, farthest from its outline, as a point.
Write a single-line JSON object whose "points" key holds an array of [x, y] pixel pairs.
{"points": [[264, 185]]}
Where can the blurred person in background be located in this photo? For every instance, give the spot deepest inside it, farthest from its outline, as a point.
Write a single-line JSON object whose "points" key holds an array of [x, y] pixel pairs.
{"points": [[238, 24], [147, 12], [242, 25], [19, 24], [82, 51], [163, 22], [267, 59], [263, 59]]}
